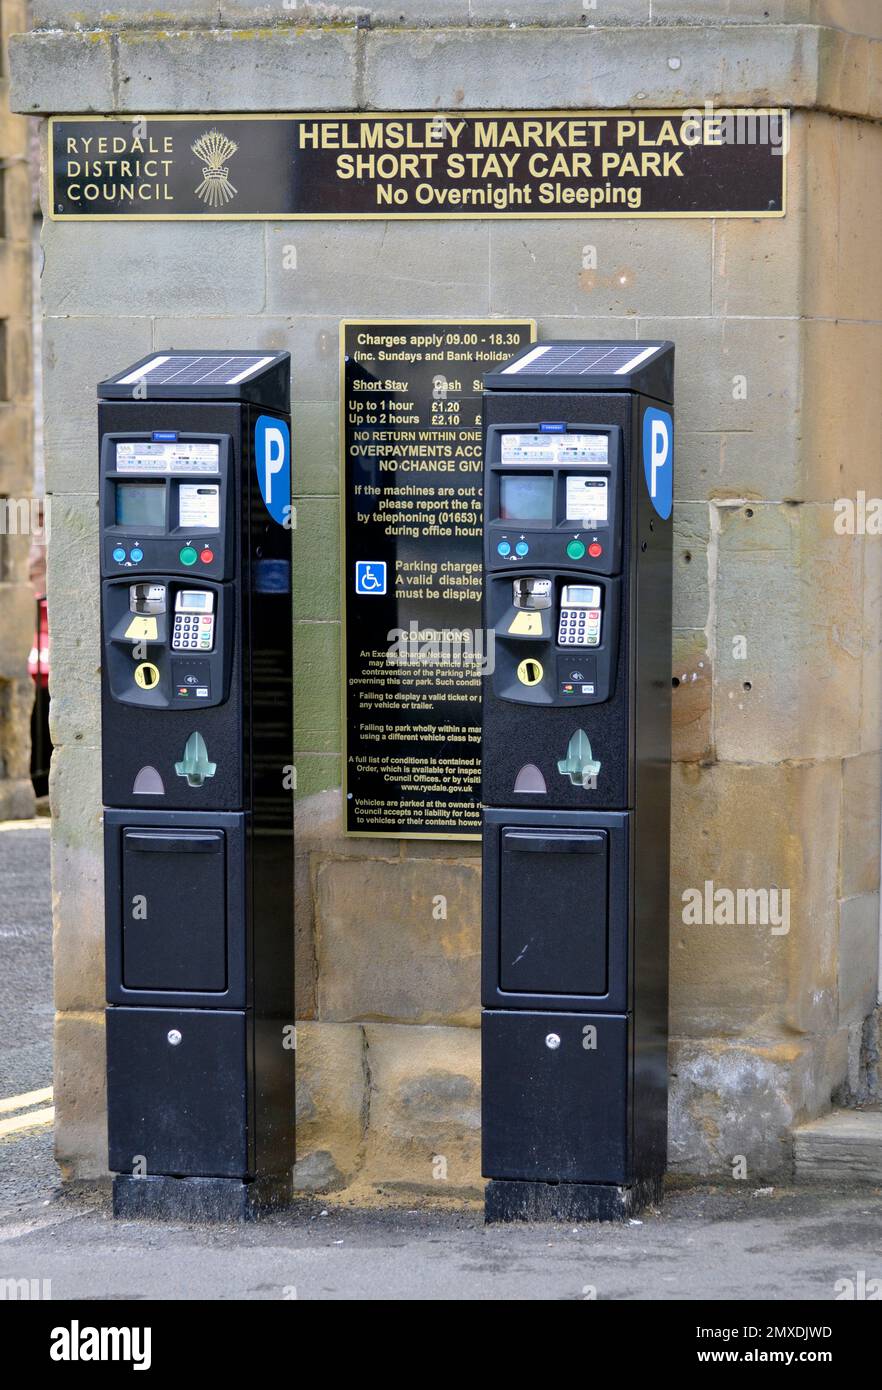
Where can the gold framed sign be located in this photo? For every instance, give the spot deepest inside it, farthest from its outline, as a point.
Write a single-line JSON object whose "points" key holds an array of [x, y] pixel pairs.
{"points": [[420, 165], [411, 473]]}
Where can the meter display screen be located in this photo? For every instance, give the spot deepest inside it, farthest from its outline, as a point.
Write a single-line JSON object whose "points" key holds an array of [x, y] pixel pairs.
{"points": [[579, 594], [555, 448], [140, 504], [195, 601], [528, 497], [587, 499]]}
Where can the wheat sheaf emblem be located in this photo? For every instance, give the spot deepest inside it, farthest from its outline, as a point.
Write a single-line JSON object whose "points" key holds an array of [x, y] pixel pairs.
{"points": [[214, 149]]}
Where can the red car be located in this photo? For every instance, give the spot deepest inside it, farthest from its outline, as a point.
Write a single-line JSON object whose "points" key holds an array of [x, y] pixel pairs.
{"points": [[38, 669]]}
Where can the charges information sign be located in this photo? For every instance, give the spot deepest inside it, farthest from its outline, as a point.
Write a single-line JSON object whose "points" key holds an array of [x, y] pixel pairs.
{"points": [[698, 163], [411, 492]]}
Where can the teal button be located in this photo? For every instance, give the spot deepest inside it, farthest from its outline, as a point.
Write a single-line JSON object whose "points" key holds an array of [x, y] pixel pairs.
{"points": [[575, 550], [188, 555]]}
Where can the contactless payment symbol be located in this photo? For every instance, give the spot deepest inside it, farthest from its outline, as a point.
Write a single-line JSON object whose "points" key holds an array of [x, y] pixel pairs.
{"points": [[658, 459], [370, 576], [272, 459]]}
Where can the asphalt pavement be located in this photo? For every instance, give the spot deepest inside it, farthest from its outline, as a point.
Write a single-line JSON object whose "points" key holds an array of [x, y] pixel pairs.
{"points": [[703, 1244], [726, 1243], [26, 1163]]}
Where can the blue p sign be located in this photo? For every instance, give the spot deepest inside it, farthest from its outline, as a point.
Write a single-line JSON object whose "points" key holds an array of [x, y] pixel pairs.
{"points": [[272, 459], [658, 459]]}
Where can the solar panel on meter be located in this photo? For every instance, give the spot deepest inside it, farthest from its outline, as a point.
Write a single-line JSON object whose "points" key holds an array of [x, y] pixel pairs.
{"points": [[195, 371], [183, 374], [585, 361], [637, 366]]}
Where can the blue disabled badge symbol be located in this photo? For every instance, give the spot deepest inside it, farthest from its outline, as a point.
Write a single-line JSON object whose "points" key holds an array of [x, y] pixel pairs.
{"points": [[370, 576]]}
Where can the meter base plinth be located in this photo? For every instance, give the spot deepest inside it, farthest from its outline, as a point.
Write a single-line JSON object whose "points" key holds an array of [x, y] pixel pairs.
{"points": [[507, 1199], [160, 1198]]}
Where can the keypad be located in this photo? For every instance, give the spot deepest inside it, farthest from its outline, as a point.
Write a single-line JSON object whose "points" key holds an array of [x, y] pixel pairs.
{"points": [[193, 632], [579, 627]]}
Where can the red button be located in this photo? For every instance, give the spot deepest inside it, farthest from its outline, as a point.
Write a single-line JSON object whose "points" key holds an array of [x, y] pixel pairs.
{"points": [[206, 557], [595, 549]]}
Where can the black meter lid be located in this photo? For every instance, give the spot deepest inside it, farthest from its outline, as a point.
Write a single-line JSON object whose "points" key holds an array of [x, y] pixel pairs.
{"points": [[175, 374], [570, 365]]}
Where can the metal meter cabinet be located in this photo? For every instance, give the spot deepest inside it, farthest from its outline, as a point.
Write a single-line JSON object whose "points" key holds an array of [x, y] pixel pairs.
{"points": [[578, 469], [195, 501]]}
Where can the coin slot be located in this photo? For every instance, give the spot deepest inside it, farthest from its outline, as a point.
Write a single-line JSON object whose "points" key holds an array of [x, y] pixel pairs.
{"points": [[146, 675], [530, 671]]}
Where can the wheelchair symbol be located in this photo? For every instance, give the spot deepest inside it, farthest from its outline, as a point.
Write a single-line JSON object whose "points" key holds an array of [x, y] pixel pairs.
{"points": [[370, 576]]}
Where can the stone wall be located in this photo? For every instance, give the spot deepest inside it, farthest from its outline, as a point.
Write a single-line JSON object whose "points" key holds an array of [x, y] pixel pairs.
{"points": [[777, 617], [17, 609]]}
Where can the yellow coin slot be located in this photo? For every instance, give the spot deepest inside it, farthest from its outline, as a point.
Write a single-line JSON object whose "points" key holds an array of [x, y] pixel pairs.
{"points": [[146, 675], [527, 624], [530, 671]]}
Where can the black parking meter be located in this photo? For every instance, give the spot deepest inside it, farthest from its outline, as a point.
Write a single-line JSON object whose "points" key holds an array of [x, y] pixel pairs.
{"points": [[576, 779], [195, 535]]}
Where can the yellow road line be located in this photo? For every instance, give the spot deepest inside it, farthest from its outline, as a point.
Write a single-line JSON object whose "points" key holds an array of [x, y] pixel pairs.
{"points": [[25, 1099], [32, 1120]]}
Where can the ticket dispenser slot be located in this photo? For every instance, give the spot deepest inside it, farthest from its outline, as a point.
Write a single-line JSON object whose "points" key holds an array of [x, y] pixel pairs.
{"points": [[563, 950], [578, 451], [174, 910], [555, 909], [175, 896]]}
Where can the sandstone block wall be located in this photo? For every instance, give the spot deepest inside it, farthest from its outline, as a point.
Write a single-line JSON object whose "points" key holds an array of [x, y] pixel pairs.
{"points": [[776, 660]]}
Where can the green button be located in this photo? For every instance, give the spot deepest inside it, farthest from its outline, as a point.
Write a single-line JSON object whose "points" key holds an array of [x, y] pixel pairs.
{"points": [[188, 555], [575, 550]]}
